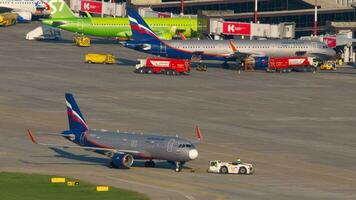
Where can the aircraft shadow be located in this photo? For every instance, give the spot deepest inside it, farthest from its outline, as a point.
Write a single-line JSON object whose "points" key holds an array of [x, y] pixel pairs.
{"points": [[70, 41], [61, 41], [91, 160], [124, 61], [337, 72]]}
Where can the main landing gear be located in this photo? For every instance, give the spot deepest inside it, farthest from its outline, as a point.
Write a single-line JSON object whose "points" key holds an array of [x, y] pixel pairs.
{"points": [[225, 65]]}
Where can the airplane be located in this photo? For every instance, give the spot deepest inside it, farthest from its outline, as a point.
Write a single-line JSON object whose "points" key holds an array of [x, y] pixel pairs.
{"points": [[145, 40], [25, 8], [123, 147], [64, 18]]}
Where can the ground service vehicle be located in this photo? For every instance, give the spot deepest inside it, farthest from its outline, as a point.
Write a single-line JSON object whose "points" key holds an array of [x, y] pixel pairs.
{"points": [[100, 58], [166, 66], [287, 64], [217, 166], [82, 41], [328, 66], [8, 19]]}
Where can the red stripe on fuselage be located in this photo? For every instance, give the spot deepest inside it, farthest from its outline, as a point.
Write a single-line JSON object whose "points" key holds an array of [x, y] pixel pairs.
{"points": [[95, 143]]}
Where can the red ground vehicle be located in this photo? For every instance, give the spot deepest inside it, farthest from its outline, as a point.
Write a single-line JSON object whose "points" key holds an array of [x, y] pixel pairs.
{"points": [[166, 66], [287, 64]]}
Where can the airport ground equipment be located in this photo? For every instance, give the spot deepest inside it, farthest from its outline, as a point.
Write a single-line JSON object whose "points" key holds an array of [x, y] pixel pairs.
{"points": [[166, 66], [44, 33], [237, 167], [100, 58], [289, 64], [201, 68], [329, 65], [248, 64], [8, 19], [82, 41]]}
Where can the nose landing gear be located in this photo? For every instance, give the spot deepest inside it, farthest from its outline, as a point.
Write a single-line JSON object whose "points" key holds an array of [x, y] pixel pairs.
{"points": [[178, 167]]}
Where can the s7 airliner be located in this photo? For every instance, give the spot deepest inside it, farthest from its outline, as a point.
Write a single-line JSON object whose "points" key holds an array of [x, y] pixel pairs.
{"points": [[144, 39], [123, 147]]}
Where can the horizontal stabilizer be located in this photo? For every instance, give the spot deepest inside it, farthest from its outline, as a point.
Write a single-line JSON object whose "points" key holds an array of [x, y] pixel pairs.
{"points": [[80, 147]]}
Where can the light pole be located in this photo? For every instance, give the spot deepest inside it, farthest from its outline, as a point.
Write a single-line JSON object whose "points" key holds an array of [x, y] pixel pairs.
{"points": [[256, 10], [316, 18]]}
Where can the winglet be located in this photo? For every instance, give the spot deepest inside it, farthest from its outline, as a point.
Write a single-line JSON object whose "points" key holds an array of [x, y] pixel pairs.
{"points": [[233, 46], [197, 130], [31, 136], [182, 36]]}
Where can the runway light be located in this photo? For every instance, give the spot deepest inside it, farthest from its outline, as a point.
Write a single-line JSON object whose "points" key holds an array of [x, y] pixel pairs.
{"points": [[102, 188], [58, 180]]}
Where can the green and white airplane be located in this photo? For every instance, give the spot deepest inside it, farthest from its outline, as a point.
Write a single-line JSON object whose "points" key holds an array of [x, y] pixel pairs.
{"points": [[62, 17]]}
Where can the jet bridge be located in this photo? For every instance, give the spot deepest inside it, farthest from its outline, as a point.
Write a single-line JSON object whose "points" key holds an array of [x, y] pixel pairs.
{"points": [[219, 27]]}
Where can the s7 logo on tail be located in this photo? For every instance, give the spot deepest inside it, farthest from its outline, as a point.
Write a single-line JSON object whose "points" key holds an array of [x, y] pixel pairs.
{"points": [[53, 5]]}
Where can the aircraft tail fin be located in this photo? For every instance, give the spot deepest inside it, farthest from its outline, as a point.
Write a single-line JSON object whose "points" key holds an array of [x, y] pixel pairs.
{"points": [[139, 28], [60, 9], [75, 118]]}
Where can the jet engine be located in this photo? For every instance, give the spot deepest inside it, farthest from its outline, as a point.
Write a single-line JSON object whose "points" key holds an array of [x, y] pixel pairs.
{"points": [[121, 160], [23, 16]]}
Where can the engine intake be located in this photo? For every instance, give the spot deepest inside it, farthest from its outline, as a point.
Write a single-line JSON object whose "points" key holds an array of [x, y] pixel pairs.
{"points": [[122, 160]]}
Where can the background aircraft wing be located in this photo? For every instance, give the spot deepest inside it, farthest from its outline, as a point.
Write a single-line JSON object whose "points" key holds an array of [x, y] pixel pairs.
{"points": [[81, 147], [5, 9]]}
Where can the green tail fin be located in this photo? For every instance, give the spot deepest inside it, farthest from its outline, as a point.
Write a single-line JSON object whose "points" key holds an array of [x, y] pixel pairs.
{"points": [[59, 9]]}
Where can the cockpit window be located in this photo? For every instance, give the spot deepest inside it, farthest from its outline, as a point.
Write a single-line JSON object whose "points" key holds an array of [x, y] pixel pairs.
{"points": [[184, 145]]}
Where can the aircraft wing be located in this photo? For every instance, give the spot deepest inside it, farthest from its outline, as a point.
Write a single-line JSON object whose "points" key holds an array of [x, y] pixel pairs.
{"points": [[80, 147], [240, 55], [5, 9]]}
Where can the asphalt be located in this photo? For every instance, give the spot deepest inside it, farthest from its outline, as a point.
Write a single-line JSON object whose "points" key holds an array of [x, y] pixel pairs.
{"points": [[297, 129]]}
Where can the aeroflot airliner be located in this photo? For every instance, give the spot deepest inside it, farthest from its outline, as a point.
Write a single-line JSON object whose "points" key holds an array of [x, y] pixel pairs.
{"points": [[144, 39], [123, 147]]}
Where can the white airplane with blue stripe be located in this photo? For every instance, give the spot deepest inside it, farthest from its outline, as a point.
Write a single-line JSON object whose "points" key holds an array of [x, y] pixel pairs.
{"points": [[145, 40]]}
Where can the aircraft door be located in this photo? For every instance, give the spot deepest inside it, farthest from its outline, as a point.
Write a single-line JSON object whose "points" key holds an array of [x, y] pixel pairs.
{"points": [[170, 145], [163, 48], [82, 139], [315, 45]]}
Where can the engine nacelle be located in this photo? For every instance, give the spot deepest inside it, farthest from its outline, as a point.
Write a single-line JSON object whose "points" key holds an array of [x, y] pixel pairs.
{"points": [[122, 160], [23, 16]]}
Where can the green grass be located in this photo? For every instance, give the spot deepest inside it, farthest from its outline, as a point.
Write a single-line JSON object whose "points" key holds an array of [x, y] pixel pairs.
{"points": [[18, 186]]}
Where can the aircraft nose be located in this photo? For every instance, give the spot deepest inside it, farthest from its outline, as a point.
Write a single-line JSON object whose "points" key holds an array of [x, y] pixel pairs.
{"points": [[193, 154]]}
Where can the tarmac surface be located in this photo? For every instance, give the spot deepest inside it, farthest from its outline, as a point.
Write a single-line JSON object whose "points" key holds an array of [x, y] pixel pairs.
{"points": [[298, 129]]}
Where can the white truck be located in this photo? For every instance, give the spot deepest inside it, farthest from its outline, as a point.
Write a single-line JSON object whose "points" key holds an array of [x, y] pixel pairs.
{"points": [[217, 166]]}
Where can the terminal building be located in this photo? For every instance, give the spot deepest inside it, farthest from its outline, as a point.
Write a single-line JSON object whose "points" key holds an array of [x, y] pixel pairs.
{"points": [[300, 12]]}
